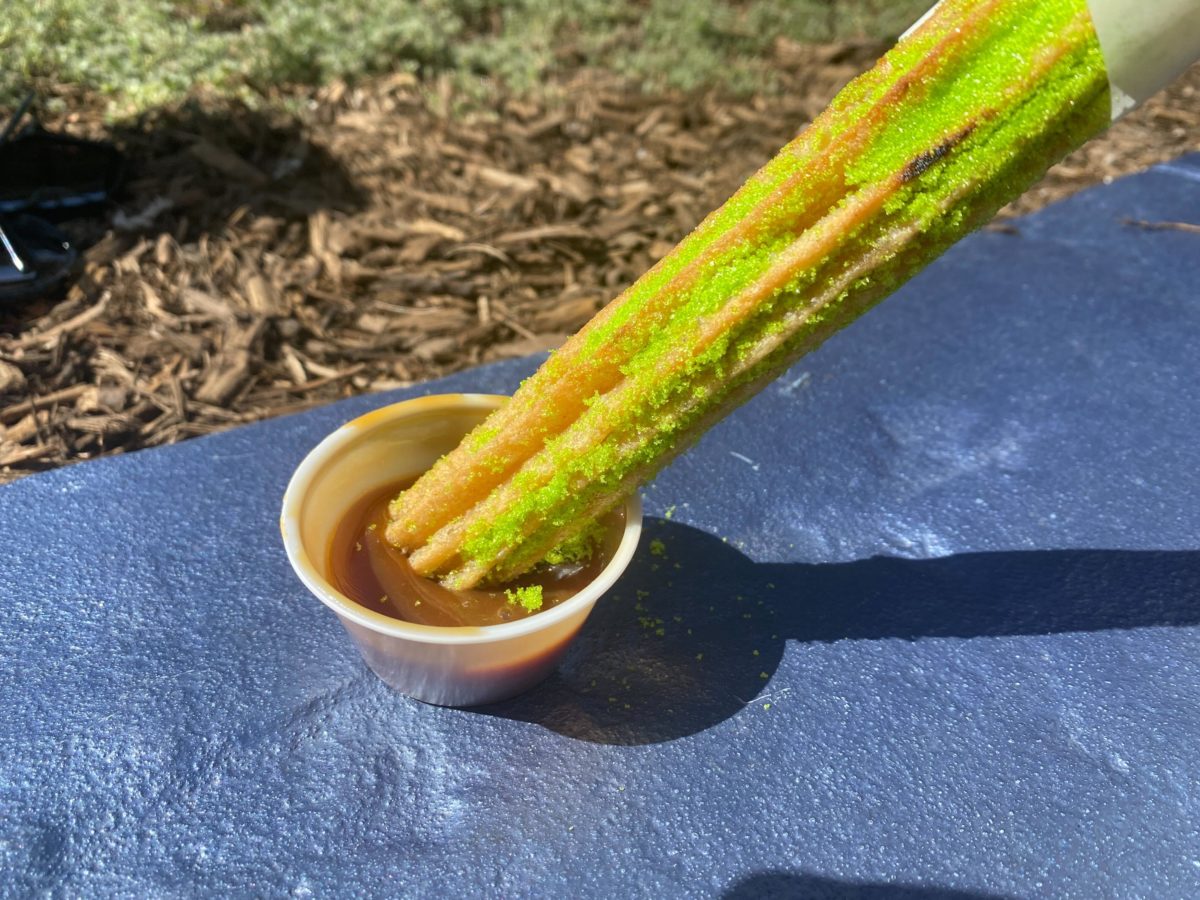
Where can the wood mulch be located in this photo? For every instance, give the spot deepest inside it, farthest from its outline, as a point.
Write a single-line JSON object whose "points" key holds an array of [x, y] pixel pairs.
{"points": [[258, 264]]}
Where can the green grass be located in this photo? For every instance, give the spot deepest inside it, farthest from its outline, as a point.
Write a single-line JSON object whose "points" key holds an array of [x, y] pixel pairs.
{"points": [[144, 53]]}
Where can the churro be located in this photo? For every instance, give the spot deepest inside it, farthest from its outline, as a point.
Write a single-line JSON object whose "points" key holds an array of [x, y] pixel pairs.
{"points": [[961, 116]]}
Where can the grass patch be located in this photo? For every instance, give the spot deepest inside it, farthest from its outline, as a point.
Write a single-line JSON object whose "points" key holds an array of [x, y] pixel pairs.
{"points": [[143, 53]]}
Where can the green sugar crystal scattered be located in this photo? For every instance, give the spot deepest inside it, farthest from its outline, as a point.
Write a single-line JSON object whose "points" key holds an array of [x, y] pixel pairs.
{"points": [[528, 597]]}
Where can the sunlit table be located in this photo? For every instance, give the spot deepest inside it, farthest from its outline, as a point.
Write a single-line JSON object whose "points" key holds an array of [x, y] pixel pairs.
{"points": [[925, 621]]}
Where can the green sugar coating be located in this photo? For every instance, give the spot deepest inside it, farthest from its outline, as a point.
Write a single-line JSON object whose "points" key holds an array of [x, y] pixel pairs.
{"points": [[953, 122], [481, 436], [529, 597], [578, 548]]}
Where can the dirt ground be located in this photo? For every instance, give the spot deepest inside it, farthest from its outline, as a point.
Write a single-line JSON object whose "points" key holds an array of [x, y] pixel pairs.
{"points": [[257, 264]]}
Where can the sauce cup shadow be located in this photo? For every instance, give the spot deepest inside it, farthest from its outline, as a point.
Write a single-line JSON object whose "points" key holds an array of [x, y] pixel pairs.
{"points": [[690, 636]]}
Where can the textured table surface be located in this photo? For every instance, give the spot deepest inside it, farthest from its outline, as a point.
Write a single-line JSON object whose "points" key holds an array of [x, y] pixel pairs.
{"points": [[924, 621]]}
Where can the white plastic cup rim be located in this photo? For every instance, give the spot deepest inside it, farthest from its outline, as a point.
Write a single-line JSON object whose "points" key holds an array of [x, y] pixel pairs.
{"points": [[361, 429]]}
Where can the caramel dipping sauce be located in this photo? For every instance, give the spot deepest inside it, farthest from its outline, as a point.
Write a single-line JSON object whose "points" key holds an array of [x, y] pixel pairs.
{"points": [[451, 666], [372, 573]]}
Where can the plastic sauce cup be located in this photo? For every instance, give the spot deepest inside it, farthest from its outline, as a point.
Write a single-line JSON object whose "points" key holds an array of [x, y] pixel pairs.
{"points": [[449, 666]]}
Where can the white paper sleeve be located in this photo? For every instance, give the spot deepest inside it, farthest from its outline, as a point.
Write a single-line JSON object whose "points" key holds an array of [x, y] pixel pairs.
{"points": [[1146, 45]]}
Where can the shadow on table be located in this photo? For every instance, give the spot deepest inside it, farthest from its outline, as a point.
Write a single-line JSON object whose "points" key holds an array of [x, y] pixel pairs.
{"points": [[765, 885], [694, 632]]}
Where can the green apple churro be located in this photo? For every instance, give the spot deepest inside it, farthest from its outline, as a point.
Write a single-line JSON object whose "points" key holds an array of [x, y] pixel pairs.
{"points": [[960, 117]]}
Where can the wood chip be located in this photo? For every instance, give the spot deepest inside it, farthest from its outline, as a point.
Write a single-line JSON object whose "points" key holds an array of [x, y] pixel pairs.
{"points": [[15, 454], [50, 335], [227, 163], [546, 233], [498, 178], [261, 296], [12, 379], [234, 366], [207, 305], [1189, 227], [536, 344]]}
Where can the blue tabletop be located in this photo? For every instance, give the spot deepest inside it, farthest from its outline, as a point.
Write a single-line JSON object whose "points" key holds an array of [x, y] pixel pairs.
{"points": [[921, 620]]}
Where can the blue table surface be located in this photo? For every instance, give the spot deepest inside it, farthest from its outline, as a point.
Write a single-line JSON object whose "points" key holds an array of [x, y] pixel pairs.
{"points": [[926, 623]]}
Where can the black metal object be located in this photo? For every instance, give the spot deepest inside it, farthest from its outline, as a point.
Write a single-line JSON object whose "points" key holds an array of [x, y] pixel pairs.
{"points": [[46, 177], [35, 257], [55, 176]]}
